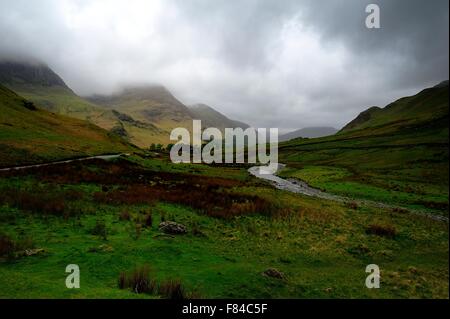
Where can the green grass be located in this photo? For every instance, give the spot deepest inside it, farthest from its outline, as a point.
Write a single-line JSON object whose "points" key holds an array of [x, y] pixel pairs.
{"points": [[399, 156], [56, 99], [61, 100], [165, 165], [388, 189], [321, 246], [32, 136]]}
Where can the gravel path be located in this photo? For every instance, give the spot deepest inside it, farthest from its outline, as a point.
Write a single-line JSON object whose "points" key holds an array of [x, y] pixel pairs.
{"points": [[104, 157]]}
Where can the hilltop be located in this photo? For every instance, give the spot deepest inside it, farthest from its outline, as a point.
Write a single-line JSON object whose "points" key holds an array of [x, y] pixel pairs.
{"points": [[141, 115], [428, 106], [309, 132], [149, 104], [212, 118], [41, 85]]}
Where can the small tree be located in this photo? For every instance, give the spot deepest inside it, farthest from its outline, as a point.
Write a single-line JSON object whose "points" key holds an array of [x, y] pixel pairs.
{"points": [[153, 147]]}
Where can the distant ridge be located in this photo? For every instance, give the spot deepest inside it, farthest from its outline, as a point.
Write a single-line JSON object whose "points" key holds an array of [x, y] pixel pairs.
{"points": [[15, 73], [142, 114], [212, 118], [309, 132], [152, 104]]}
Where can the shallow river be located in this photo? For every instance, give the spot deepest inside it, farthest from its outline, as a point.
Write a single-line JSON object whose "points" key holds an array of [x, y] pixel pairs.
{"points": [[291, 185], [300, 187]]}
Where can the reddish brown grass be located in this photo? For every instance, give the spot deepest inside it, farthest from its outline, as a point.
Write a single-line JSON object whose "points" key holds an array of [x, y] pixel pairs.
{"points": [[7, 246], [124, 183], [382, 230], [138, 280]]}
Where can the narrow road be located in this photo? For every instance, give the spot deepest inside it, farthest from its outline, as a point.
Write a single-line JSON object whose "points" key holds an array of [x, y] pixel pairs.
{"points": [[104, 157], [300, 187]]}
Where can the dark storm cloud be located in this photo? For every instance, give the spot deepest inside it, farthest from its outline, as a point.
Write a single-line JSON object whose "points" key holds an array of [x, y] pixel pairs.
{"points": [[284, 64], [418, 30]]}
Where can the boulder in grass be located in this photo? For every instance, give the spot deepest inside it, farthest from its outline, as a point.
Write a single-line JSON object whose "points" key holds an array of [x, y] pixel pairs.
{"points": [[172, 228], [31, 252], [274, 273]]}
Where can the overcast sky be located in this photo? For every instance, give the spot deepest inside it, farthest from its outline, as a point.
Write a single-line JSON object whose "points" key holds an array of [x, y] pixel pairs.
{"points": [[278, 63]]}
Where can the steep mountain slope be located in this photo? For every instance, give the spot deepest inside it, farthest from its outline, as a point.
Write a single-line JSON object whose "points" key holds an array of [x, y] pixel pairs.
{"points": [[212, 118], [142, 115], [153, 106], [427, 106], [38, 83], [362, 118], [399, 153], [32, 135], [308, 132], [148, 104]]}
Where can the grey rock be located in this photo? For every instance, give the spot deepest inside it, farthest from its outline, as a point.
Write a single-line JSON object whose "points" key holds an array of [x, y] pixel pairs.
{"points": [[274, 273], [172, 228]]}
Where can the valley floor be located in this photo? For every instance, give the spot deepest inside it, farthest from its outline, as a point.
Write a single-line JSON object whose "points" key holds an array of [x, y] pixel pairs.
{"points": [[96, 214]]}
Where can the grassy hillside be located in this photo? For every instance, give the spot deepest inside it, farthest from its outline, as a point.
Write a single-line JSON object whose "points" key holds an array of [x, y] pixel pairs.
{"points": [[153, 105], [104, 217], [426, 107], [38, 83], [397, 155], [308, 132], [29, 134], [142, 115]]}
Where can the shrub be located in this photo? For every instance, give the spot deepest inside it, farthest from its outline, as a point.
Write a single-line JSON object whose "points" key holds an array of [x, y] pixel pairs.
{"points": [[72, 194], [352, 205], [35, 201], [125, 215], [138, 280], [23, 244], [172, 289], [122, 282], [137, 231], [148, 220], [400, 210], [219, 202], [7, 246], [29, 105], [382, 230], [195, 229], [100, 230]]}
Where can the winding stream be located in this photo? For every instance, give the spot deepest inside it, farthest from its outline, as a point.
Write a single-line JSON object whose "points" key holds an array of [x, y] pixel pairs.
{"points": [[300, 187], [291, 185]]}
